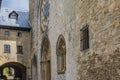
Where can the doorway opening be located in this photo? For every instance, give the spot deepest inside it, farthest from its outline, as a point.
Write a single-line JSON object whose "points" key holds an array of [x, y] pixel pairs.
{"points": [[13, 71]]}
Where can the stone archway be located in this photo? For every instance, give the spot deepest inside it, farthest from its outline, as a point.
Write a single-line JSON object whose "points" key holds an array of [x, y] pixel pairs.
{"points": [[18, 71], [45, 60]]}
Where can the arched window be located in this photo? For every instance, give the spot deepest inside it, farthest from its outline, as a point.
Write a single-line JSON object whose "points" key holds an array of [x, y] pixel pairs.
{"points": [[61, 55]]}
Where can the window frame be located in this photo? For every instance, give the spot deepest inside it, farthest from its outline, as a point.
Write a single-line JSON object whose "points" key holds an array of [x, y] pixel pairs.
{"points": [[13, 16], [84, 38], [5, 48], [19, 34], [7, 33], [19, 49]]}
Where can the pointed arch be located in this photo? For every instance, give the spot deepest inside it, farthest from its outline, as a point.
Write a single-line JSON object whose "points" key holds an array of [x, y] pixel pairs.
{"points": [[61, 54]]}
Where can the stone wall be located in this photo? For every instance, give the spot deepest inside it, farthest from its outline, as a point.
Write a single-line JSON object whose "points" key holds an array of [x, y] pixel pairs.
{"points": [[61, 21], [67, 17], [101, 60], [34, 24], [34, 6]]}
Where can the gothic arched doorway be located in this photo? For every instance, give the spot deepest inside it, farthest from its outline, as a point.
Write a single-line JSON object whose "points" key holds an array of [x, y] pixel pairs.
{"points": [[45, 60], [13, 70]]}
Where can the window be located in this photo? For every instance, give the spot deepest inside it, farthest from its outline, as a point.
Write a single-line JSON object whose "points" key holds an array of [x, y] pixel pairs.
{"points": [[85, 38], [7, 48], [19, 50], [19, 34], [7, 33], [13, 17], [61, 55]]}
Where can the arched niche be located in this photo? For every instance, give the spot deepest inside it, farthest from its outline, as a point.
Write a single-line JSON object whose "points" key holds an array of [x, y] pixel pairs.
{"points": [[61, 54], [45, 59]]}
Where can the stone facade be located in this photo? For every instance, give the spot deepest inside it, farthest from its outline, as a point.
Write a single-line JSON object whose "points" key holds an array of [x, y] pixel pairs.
{"points": [[13, 40], [67, 18]]}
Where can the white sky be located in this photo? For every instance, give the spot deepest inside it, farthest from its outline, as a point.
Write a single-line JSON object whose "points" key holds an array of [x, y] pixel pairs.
{"points": [[19, 5]]}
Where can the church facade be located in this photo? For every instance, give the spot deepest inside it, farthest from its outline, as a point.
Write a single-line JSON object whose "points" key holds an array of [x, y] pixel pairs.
{"points": [[52, 54]]}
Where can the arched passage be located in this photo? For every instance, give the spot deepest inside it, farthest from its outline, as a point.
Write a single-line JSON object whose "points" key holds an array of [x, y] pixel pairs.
{"points": [[45, 60], [13, 70]]}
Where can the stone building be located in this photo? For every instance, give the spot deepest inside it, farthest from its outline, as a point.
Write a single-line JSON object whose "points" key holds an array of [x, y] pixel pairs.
{"points": [[14, 44], [75, 39]]}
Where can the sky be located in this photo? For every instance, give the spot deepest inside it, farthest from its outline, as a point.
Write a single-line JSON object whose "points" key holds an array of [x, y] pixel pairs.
{"points": [[18, 5]]}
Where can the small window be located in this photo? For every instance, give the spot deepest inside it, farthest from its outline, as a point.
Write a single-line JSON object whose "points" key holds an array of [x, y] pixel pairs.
{"points": [[7, 33], [19, 34], [13, 17], [19, 50], [85, 38], [7, 48]]}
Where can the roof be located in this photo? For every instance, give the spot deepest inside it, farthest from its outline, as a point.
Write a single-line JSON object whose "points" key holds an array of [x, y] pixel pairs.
{"points": [[22, 21]]}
